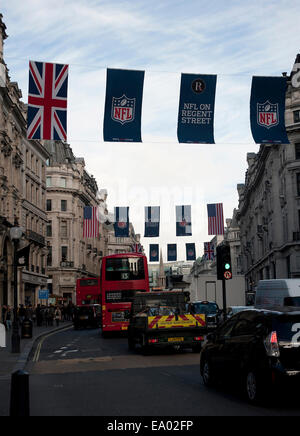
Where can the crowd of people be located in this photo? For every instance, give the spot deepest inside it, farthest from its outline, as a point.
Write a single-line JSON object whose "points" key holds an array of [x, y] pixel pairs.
{"points": [[40, 315]]}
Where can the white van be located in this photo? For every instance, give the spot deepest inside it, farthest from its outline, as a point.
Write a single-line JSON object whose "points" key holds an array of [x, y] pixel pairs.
{"points": [[279, 292]]}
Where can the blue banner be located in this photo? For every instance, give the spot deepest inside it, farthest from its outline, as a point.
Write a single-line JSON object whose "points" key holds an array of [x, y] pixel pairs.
{"points": [[267, 110], [152, 218], [123, 105], [183, 221], [190, 252], [172, 252], [196, 109], [154, 253], [121, 222]]}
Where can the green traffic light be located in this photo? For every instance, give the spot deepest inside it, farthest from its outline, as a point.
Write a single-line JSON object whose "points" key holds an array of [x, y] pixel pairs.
{"points": [[227, 265]]}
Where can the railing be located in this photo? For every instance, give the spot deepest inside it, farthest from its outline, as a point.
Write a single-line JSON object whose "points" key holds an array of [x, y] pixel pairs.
{"points": [[66, 264], [35, 237]]}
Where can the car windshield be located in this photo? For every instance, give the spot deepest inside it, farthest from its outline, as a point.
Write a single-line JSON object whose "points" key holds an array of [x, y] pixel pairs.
{"points": [[163, 311], [205, 308], [292, 301]]}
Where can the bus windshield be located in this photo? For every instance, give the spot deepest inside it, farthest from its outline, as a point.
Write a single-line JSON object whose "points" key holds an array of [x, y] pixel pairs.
{"points": [[125, 268]]}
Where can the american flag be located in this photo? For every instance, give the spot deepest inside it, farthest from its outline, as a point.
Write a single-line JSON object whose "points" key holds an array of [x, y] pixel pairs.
{"points": [[215, 219], [90, 222], [209, 251], [47, 101]]}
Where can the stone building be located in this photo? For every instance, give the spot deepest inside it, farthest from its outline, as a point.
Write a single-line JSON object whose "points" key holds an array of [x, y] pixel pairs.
{"points": [[69, 189], [22, 191], [269, 204], [116, 245]]}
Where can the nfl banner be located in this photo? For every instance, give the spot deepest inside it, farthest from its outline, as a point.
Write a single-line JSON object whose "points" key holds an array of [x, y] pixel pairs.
{"points": [[196, 109], [154, 253], [267, 110], [152, 218], [172, 252], [190, 252], [47, 101], [183, 221], [121, 222], [209, 251], [123, 105]]}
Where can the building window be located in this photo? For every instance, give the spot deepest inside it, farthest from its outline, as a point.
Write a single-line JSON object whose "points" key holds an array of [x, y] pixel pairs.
{"points": [[48, 182], [297, 151], [49, 256], [49, 230], [298, 183], [296, 116], [49, 205], [64, 254], [63, 182], [63, 205], [64, 229]]}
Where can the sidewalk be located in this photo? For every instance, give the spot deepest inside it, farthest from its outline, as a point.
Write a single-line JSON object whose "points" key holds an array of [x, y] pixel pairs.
{"points": [[10, 362]]}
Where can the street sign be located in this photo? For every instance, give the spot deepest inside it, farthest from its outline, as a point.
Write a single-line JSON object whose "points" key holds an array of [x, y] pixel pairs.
{"points": [[227, 275], [2, 336], [43, 294]]}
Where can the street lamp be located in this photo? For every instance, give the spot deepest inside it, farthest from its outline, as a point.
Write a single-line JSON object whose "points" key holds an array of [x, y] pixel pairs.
{"points": [[16, 233]]}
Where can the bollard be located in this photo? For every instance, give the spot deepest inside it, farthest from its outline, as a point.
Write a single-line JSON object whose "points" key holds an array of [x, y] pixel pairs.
{"points": [[26, 329], [19, 394]]}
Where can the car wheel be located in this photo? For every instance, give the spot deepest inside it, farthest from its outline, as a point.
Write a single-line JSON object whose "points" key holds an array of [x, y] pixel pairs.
{"points": [[207, 374], [254, 388]]}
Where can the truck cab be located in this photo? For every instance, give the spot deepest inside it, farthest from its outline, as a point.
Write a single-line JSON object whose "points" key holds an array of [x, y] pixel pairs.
{"points": [[160, 320]]}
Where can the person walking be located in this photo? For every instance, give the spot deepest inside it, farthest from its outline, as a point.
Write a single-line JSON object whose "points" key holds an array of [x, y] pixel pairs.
{"points": [[57, 315], [7, 322]]}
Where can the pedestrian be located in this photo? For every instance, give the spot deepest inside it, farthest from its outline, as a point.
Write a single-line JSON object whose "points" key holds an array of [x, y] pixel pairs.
{"points": [[4, 309], [39, 316], [34, 315], [22, 313], [8, 318], [57, 315]]}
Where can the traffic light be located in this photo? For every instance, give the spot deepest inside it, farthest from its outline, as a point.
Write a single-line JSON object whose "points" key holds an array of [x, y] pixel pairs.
{"points": [[224, 269]]}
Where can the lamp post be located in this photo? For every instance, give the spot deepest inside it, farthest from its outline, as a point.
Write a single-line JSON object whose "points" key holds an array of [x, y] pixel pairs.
{"points": [[16, 233]]}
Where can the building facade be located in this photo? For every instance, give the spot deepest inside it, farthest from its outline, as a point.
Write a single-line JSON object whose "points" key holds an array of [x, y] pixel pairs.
{"points": [[117, 245], [22, 192], [269, 204], [69, 189]]}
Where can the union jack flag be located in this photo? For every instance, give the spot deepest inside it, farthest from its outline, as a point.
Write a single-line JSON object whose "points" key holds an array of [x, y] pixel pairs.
{"points": [[137, 248], [47, 101], [209, 251]]}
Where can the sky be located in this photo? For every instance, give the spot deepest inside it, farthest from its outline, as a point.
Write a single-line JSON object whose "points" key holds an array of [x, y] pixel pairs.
{"points": [[233, 39]]}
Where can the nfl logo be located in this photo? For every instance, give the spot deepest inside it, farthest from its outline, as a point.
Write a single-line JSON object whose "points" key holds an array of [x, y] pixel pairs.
{"points": [[122, 224], [123, 109], [267, 114]]}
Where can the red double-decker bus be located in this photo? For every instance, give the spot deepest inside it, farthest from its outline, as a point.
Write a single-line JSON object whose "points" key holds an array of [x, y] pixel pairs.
{"points": [[122, 275], [88, 291]]}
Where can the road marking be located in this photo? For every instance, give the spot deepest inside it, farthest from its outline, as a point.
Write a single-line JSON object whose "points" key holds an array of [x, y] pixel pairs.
{"points": [[39, 347]]}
